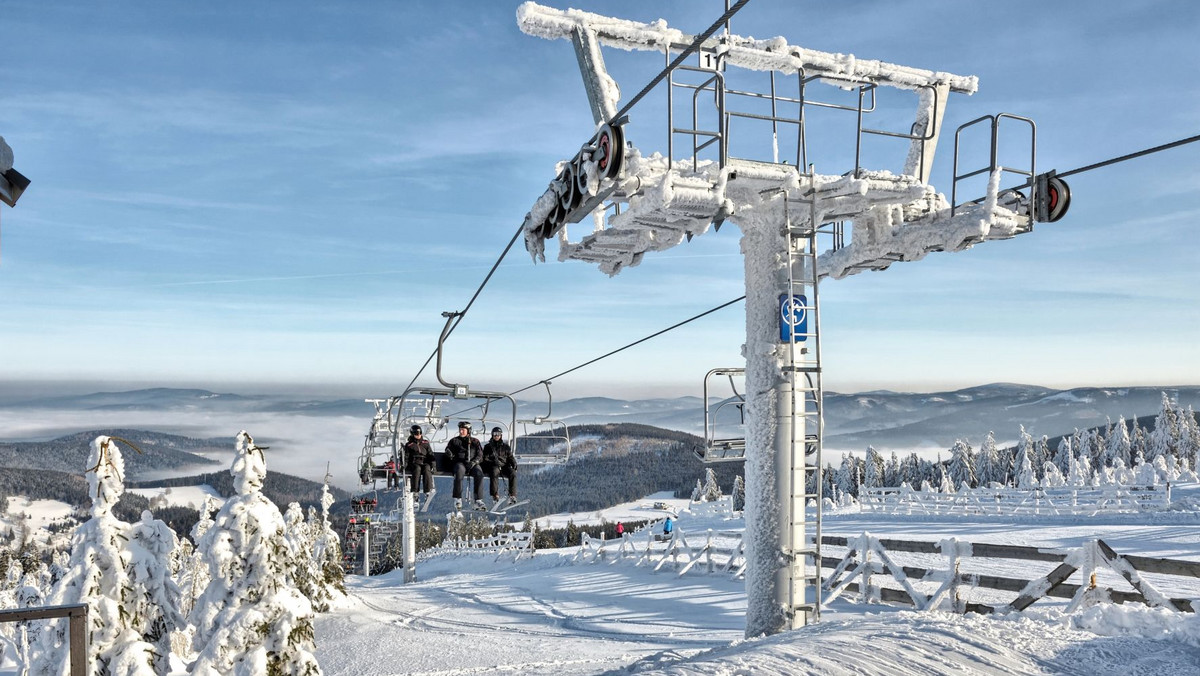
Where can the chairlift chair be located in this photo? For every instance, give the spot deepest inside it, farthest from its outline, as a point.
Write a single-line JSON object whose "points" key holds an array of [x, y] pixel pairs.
{"points": [[724, 420], [542, 440]]}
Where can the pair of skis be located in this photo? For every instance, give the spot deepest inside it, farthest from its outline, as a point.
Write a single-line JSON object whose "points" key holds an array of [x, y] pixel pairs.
{"points": [[498, 508]]}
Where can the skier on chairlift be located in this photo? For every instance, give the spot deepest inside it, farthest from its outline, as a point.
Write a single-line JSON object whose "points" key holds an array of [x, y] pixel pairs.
{"points": [[499, 461], [465, 455], [418, 456]]}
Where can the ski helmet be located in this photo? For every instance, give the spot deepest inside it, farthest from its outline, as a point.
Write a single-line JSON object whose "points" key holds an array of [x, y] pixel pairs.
{"points": [[497, 430], [464, 425], [415, 429]]}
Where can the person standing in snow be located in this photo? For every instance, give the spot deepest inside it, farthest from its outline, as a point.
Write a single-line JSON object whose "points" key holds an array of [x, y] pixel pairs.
{"points": [[465, 455], [668, 526], [418, 456], [499, 461], [620, 529]]}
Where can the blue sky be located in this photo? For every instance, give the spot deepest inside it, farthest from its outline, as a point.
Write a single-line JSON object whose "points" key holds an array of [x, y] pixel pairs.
{"points": [[236, 194]]}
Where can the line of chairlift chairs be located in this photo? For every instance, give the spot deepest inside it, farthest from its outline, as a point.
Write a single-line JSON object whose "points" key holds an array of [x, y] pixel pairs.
{"points": [[536, 442]]}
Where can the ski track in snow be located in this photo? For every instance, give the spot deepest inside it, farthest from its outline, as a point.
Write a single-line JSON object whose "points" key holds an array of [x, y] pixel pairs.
{"points": [[473, 614]]}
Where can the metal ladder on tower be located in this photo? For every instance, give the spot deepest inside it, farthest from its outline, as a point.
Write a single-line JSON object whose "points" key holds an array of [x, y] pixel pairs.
{"points": [[802, 370]]}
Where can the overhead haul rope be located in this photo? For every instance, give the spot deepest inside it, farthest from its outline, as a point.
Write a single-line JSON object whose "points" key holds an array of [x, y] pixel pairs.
{"points": [[689, 320], [1080, 170], [471, 302], [1130, 156], [691, 49]]}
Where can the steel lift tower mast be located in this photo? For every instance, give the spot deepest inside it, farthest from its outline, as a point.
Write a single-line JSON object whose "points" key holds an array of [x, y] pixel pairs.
{"points": [[794, 225]]}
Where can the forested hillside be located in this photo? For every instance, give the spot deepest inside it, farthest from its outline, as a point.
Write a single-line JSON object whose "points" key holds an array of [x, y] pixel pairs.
{"points": [[69, 453]]}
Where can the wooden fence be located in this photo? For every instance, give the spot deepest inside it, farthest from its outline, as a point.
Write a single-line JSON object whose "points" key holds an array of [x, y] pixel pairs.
{"points": [[77, 629], [520, 544], [714, 551], [867, 556], [870, 562], [1063, 500]]}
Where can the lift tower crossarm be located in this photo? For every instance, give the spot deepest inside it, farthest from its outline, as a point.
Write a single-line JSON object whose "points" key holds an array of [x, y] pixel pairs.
{"points": [[773, 54]]}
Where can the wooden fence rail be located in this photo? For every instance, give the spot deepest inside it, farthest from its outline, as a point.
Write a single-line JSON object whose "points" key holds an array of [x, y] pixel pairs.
{"points": [[868, 557], [77, 635], [1041, 501], [853, 573]]}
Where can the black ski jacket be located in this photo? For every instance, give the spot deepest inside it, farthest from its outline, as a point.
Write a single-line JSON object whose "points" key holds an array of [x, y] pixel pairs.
{"points": [[418, 453], [465, 450], [499, 454]]}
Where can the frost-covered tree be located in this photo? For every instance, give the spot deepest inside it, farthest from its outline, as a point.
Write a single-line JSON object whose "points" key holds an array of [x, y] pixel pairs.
{"points": [[1189, 439], [1051, 477], [712, 490], [251, 620], [1026, 477], [1121, 474], [987, 462], [698, 492], [962, 464], [1163, 439], [1118, 445], [945, 485], [1079, 473], [120, 572], [1062, 457], [873, 469], [847, 477], [891, 471], [910, 470], [1041, 453], [739, 493], [1143, 472]]}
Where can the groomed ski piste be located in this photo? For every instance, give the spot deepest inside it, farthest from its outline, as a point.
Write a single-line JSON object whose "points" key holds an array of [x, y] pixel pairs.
{"points": [[561, 613]]}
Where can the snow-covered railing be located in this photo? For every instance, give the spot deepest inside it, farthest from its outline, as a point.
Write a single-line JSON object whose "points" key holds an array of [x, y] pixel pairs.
{"points": [[76, 615], [520, 543], [721, 551], [1062, 500], [942, 587]]}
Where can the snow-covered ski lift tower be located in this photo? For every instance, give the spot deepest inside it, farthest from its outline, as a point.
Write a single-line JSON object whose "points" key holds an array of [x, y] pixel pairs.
{"points": [[641, 203]]}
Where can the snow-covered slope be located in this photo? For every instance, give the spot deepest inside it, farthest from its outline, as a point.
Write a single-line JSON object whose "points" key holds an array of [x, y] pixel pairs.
{"points": [[476, 614]]}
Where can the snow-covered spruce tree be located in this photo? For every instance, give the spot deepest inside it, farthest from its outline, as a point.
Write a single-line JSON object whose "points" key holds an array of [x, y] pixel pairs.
{"points": [[151, 545], [120, 572], [305, 572], [251, 620], [1189, 439], [1062, 457], [847, 477], [1024, 459], [193, 583], [712, 491], [946, 485], [1051, 477], [891, 471], [739, 493], [329, 549], [987, 462], [1025, 479], [1162, 439], [962, 464], [1080, 474], [873, 469], [1118, 444], [1041, 452], [698, 492]]}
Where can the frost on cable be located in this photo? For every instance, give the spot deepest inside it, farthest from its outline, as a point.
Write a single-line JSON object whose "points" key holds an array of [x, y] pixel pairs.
{"points": [[121, 572], [251, 619]]}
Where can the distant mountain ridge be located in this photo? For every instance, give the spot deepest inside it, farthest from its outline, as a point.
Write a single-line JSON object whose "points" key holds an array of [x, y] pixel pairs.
{"points": [[70, 453], [881, 418]]}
